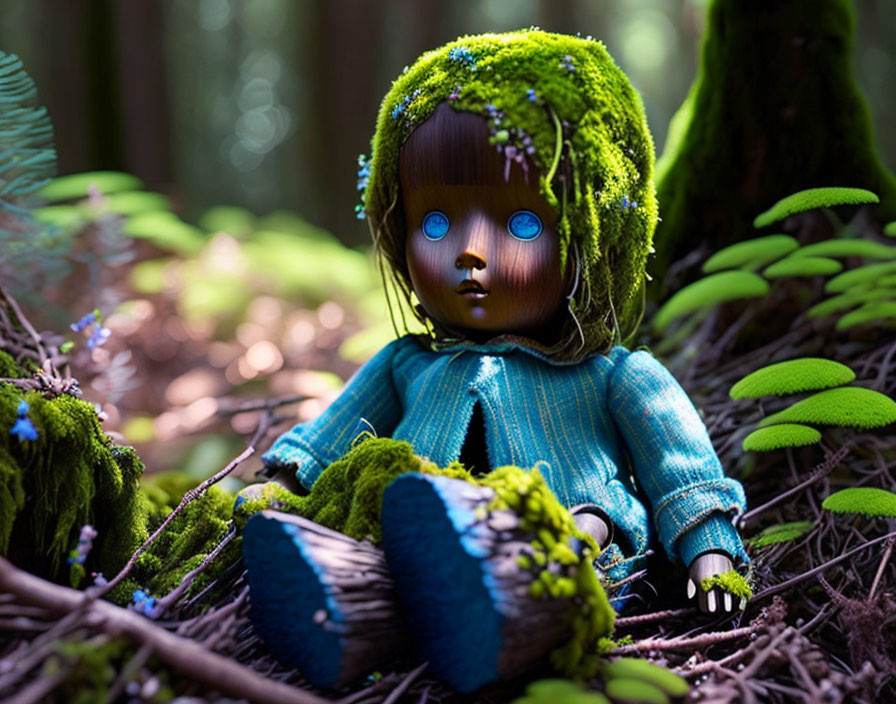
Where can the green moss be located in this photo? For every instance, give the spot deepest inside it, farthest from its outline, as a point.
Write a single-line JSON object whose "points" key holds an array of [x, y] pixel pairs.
{"points": [[851, 407], [731, 581], [847, 247], [71, 475], [812, 199], [88, 668], [792, 376], [751, 253], [660, 677], [9, 369], [869, 313], [868, 501], [710, 291], [803, 266], [869, 273], [776, 437], [588, 121], [775, 108], [890, 229], [853, 298], [77, 185], [781, 533]]}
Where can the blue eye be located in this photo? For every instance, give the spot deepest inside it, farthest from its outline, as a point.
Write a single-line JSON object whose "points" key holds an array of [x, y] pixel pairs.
{"points": [[524, 225], [435, 225]]}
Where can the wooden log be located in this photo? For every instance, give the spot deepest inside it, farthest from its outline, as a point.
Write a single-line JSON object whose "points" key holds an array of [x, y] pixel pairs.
{"points": [[470, 604], [322, 602]]}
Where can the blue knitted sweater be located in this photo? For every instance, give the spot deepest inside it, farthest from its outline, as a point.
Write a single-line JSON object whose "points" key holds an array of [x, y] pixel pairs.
{"points": [[613, 430]]}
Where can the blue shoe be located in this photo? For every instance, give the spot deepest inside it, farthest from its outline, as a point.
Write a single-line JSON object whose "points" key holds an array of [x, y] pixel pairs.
{"points": [[311, 591]]}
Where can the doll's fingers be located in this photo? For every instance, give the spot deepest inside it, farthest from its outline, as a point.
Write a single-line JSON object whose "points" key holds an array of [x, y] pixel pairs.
{"points": [[711, 601], [727, 599], [692, 589]]}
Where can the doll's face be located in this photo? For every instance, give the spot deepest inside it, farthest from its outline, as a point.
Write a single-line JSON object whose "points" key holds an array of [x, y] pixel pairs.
{"points": [[482, 251]]}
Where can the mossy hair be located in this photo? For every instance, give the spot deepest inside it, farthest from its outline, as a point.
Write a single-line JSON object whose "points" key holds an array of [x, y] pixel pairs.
{"points": [[562, 101]]}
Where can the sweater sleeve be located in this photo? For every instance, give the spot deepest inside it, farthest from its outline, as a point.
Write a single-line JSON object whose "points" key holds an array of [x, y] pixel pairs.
{"points": [[369, 402], [673, 460]]}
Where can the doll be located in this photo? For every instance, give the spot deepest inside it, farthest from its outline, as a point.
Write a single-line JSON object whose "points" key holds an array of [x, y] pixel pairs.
{"points": [[510, 197]]}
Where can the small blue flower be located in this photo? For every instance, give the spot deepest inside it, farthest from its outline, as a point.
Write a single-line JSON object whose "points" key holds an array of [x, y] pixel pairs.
{"points": [[530, 94], [360, 213], [567, 63], [24, 429], [626, 203], [98, 337], [145, 604], [88, 319], [462, 55], [22, 409], [85, 543]]}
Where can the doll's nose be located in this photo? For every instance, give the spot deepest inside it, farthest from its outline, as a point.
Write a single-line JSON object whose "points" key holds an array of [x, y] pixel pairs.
{"points": [[470, 260]]}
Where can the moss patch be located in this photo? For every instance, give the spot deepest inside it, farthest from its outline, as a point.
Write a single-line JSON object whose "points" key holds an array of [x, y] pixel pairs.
{"points": [[777, 436], [792, 376], [868, 501], [731, 581], [781, 533], [851, 407]]}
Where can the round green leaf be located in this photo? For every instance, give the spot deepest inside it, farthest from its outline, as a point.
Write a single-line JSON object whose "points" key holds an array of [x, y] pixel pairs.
{"points": [[776, 437], [802, 266], [165, 230], [868, 313], [890, 229], [624, 689], [77, 185], [709, 291], [851, 406], [868, 501], [813, 198], [851, 299], [792, 376], [235, 221], [869, 273], [847, 247], [751, 254], [637, 669], [781, 533]]}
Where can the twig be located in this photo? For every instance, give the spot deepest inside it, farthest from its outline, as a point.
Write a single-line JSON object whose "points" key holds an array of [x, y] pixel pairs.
{"points": [[183, 655], [175, 594], [880, 570], [627, 621], [37, 690], [96, 592], [405, 683], [11, 302], [684, 643]]}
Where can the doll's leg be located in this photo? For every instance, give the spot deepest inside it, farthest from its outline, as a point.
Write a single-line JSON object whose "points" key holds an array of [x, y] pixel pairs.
{"points": [[323, 602], [466, 571]]}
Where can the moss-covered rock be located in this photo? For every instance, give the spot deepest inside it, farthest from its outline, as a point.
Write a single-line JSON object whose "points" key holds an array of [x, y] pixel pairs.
{"points": [[68, 476], [774, 109]]}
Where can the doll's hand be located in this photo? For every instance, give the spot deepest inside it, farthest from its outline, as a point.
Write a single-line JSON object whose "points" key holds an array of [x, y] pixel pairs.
{"points": [[591, 523], [709, 564]]}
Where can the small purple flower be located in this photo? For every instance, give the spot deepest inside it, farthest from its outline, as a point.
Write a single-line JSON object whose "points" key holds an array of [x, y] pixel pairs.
{"points": [[455, 93], [99, 580], [85, 543]]}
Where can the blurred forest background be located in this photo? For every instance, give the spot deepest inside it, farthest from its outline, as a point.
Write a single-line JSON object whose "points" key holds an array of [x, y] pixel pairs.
{"points": [[247, 117]]}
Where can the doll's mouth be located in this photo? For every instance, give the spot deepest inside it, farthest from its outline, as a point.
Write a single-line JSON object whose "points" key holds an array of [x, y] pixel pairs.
{"points": [[470, 288]]}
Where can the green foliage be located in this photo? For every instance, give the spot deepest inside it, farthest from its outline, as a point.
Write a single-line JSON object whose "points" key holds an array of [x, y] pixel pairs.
{"points": [[851, 299], [867, 274], [88, 668], [778, 436], [557, 691], [238, 222], [625, 690], [713, 289], [868, 501], [850, 406], [780, 533], [731, 581], [890, 229], [869, 313], [802, 266], [71, 475], [753, 253], [811, 199], [792, 376], [27, 156], [634, 668], [77, 186], [165, 230], [847, 247], [590, 113]]}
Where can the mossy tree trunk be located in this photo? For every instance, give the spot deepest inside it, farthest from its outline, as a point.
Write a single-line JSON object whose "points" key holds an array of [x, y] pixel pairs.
{"points": [[774, 109]]}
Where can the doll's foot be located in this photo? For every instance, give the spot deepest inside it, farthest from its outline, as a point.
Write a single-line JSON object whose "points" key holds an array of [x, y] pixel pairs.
{"points": [[468, 603], [323, 602]]}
